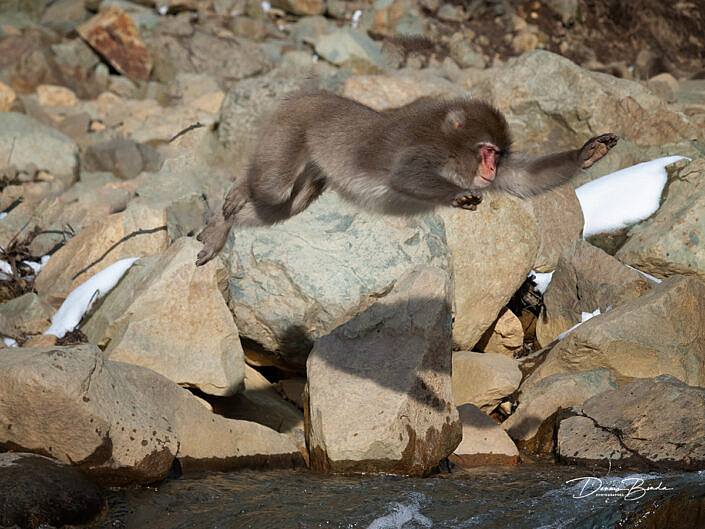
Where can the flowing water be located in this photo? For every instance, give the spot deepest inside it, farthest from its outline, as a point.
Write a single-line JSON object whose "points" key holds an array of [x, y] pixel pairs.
{"points": [[531, 497]]}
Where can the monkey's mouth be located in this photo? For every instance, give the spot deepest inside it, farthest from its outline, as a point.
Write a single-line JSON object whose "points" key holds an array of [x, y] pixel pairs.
{"points": [[487, 181]]}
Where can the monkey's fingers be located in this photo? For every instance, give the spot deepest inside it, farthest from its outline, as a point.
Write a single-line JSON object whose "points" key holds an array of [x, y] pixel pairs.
{"points": [[595, 148]]}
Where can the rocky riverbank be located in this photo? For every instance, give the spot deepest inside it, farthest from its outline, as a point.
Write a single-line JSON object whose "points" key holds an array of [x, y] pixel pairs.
{"points": [[340, 340]]}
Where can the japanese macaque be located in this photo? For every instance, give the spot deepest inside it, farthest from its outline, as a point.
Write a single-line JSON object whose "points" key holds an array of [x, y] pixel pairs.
{"points": [[402, 161]]}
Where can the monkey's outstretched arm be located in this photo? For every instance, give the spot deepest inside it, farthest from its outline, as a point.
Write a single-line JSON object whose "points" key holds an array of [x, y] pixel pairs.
{"points": [[524, 175], [415, 174]]}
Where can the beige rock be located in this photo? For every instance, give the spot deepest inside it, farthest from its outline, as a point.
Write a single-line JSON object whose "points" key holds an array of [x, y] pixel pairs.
{"points": [[7, 97], [293, 390], [670, 242], [531, 424], [661, 332], [659, 421], [385, 91], [301, 7], [208, 441], [72, 404], [580, 441], [494, 248], [586, 279], [505, 336], [53, 95], [26, 314], [524, 41], [483, 379], [391, 364], [41, 340], [98, 246], [170, 316], [260, 402], [560, 221], [484, 441], [664, 85]]}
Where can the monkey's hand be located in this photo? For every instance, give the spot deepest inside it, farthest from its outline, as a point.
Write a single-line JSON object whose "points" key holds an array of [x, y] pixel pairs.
{"points": [[595, 148], [467, 199]]}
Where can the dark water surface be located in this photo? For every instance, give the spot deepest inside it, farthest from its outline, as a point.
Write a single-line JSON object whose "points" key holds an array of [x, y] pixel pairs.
{"points": [[531, 497]]}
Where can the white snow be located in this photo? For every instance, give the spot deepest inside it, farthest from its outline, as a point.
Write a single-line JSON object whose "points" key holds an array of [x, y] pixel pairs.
{"points": [[266, 6], [162, 10], [78, 302], [647, 276], [9, 342], [624, 197], [5, 270], [3, 214], [584, 317], [356, 18], [541, 279]]}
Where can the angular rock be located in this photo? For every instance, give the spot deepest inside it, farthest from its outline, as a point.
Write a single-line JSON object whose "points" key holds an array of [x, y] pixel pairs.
{"points": [[124, 158], [25, 142], [71, 404], [559, 114], [585, 279], [260, 402], [36, 490], [27, 314], [179, 47], [294, 282], [392, 365], [560, 221], [654, 421], [136, 232], [494, 248], [386, 91], [484, 441], [505, 336], [670, 242], [112, 33], [484, 379], [208, 441], [661, 332], [351, 49], [531, 424], [580, 441], [170, 316]]}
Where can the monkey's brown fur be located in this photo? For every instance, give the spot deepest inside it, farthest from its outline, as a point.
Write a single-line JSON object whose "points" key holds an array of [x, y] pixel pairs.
{"points": [[402, 161]]}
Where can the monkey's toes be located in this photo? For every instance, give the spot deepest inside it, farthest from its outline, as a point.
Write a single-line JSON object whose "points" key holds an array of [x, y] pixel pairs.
{"points": [[204, 256], [595, 148], [467, 200]]}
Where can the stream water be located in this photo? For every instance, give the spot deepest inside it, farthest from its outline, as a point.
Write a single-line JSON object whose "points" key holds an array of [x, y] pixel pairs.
{"points": [[528, 496]]}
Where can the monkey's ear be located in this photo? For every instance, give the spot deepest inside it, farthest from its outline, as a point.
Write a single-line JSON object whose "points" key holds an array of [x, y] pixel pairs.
{"points": [[455, 120]]}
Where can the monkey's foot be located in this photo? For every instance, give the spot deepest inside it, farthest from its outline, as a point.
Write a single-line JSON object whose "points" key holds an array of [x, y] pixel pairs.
{"points": [[213, 237], [467, 199], [595, 148]]}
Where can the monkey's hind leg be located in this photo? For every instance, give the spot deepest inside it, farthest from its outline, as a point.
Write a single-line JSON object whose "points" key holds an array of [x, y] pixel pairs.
{"points": [[213, 237]]}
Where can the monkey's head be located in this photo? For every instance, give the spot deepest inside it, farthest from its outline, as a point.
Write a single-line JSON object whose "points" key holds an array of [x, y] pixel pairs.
{"points": [[478, 136]]}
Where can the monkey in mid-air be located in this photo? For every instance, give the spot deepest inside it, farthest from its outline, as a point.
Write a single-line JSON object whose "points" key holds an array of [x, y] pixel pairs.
{"points": [[402, 161]]}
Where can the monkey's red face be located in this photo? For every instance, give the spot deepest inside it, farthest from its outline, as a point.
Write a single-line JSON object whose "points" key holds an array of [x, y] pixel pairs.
{"points": [[487, 170]]}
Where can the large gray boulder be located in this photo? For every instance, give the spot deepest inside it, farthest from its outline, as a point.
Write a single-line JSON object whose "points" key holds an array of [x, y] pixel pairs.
{"points": [[578, 104], [294, 282], [650, 422], [586, 279], [532, 423], [661, 332], [379, 393], [494, 248], [208, 441], [72, 404], [25, 141], [170, 316], [670, 242]]}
